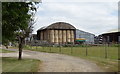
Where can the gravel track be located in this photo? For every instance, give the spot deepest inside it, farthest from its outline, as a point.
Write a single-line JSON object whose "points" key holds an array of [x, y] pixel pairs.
{"points": [[52, 62]]}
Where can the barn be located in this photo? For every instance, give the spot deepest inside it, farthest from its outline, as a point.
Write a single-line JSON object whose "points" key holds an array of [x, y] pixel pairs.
{"points": [[112, 36], [57, 33]]}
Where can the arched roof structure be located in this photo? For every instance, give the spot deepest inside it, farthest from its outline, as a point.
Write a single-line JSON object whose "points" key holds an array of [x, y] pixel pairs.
{"points": [[59, 25]]}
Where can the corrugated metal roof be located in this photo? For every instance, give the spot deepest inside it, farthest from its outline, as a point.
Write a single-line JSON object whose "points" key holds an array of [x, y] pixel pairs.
{"points": [[112, 31], [58, 25], [81, 31], [42, 28], [61, 25]]}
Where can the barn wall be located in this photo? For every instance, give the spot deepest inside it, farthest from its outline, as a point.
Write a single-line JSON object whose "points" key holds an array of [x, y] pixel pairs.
{"points": [[58, 36], [52, 36], [64, 36], [68, 35], [41, 35], [72, 36]]}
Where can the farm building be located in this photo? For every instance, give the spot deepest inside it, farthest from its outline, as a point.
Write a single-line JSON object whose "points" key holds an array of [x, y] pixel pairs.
{"points": [[88, 38], [98, 39], [112, 36], [57, 33]]}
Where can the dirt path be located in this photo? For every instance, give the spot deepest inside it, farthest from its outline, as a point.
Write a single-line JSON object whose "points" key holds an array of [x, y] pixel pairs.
{"points": [[53, 62]]}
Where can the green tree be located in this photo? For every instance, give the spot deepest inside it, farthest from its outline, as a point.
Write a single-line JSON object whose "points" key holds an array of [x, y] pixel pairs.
{"points": [[17, 22]]}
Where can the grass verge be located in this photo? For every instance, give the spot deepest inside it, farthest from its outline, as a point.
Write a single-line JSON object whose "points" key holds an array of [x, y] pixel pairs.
{"points": [[109, 65], [15, 65], [5, 51]]}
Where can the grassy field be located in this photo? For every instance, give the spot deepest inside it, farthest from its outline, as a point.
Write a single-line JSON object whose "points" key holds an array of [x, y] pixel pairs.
{"points": [[25, 65], [96, 54], [5, 51], [100, 52]]}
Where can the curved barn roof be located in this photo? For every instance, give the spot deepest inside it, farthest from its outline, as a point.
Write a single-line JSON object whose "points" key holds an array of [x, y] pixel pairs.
{"points": [[112, 31], [59, 25]]}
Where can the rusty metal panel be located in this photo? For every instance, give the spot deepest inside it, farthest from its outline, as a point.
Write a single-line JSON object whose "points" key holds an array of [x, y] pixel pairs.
{"points": [[60, 25]]}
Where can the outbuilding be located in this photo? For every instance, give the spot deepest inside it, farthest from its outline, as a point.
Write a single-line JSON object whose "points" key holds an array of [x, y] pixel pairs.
{"points": [[112, 36]]}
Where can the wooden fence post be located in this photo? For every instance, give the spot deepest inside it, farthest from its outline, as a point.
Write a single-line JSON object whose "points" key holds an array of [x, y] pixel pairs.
{"points": [[106, 51], [50, 48], [86, 50], [60, 49], [71, 49]]}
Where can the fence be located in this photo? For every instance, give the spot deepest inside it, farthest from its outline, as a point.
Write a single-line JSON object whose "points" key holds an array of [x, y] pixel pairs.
{"points": [[101, 51]]}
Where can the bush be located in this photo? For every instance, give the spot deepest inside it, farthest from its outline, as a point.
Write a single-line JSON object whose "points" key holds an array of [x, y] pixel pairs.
{"points": [[27, 47]]}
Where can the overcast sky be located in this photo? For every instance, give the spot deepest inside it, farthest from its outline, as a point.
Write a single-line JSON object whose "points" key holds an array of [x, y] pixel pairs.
{"points": [[91, 16]]}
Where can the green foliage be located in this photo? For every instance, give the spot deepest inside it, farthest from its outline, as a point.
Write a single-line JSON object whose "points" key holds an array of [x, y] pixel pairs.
{"points": [[27, 46], [15, 18]]}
